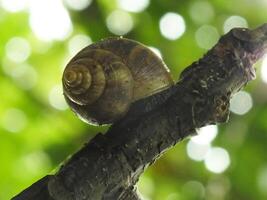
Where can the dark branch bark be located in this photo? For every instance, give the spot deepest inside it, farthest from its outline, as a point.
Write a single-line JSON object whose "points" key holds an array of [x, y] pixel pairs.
{"points": [[109, 166]]}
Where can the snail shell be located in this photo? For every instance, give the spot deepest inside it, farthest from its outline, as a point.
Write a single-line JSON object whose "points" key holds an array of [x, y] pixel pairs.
{"points": [[104, 78]]}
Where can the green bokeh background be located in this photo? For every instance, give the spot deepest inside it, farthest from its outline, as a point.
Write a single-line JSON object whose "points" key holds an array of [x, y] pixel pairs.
{"points": [[35, 137]]}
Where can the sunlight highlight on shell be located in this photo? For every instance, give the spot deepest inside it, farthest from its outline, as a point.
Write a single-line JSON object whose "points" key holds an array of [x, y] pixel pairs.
{"points": [[49, 20], [172, 26], [241, 103], [234, 22], [133, 5], [156, 51], [18, 49], [217, 160], [119, 22]]}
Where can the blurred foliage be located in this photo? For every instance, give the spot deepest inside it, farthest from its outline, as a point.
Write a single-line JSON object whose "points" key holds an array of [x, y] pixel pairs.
{"points": [[38, 132]]}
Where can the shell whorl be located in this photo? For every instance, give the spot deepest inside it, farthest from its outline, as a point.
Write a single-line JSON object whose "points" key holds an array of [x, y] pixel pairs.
{"points": [[99, 81], [78, 78], [103, 79], [83, 81]]}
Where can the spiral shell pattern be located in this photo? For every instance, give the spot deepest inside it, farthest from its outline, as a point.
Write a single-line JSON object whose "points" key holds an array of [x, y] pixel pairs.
{"points": [[103, 79]]}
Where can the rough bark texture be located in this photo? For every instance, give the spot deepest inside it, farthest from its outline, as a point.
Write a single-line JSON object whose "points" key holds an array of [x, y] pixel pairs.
{"points": [[108, 167]]}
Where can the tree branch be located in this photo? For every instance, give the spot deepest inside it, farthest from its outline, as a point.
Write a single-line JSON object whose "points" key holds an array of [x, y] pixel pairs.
{"points": [[109, 166]]}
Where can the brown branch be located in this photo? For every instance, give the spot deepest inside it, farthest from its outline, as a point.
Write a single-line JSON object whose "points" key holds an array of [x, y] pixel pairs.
{"points": [[109, 166]]}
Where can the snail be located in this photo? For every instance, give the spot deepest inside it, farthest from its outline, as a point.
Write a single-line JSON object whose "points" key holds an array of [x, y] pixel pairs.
{"points": [[104, 79]]}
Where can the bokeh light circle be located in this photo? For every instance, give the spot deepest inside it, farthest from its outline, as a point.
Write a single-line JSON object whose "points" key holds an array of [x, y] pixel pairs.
{"points": [[193, 190], [218, 187], [264, 69], [172, 26], [241, 103], [234, 22], [217, 160], [197, 151], [77, 4], [262, 180], [56, 98], [25, 76], [201, 12], [133, 5], [206, 36], [34, 162], [119, 22], [14, 120], [14, 5], [18, 49], [49, 20], [205, 134], [78, 42]]}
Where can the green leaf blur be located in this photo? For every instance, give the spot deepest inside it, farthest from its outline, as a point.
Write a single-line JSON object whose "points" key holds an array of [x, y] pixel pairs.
{"points": [[38, 131]]}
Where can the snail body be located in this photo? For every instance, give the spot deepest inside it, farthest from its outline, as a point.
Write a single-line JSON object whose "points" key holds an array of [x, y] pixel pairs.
{"points": [[102, 81]]}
